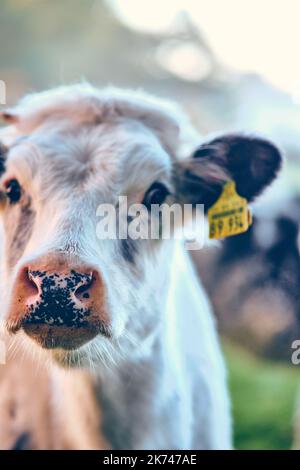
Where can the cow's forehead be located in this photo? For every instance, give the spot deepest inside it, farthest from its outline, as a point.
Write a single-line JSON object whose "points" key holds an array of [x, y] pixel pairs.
{"points": [[122, 153]]}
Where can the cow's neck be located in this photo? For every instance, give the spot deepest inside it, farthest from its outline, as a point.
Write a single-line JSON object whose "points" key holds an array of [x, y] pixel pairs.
{"points": [[139, 386]]}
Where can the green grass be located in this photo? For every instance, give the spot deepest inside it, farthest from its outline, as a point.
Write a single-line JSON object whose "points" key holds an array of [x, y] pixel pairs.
{"points": [[263, 395]]}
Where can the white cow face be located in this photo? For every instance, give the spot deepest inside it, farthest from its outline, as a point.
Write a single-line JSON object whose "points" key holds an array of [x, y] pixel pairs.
{"points": [[70, 151]]}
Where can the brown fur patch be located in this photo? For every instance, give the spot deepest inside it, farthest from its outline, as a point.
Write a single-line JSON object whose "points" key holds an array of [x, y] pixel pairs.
{"points": [[53, 409], [24, 403]]}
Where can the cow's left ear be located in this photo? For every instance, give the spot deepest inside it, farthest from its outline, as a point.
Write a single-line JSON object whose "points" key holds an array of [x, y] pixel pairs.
{"points": [[9, 117], [251, 162]]}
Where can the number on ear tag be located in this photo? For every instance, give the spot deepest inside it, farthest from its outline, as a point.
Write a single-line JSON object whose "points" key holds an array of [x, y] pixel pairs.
{"points": [[230, 214]]}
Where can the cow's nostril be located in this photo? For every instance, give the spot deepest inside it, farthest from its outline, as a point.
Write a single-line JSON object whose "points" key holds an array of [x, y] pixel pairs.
{"points": [[32, 285], [82, 291]]}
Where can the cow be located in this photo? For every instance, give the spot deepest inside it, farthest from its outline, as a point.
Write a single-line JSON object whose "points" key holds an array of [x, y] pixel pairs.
{"points": [[130, 311], [253, 280]]}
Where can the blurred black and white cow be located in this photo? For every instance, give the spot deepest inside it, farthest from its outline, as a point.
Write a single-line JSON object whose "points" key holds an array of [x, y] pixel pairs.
{"points": [[132, 311], [254, 279]]}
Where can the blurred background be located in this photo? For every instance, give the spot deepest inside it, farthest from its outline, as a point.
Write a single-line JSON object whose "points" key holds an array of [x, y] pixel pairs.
{"points": [[233, 66]]}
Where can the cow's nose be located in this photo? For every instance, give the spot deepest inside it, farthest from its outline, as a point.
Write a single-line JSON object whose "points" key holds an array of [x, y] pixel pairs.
{"points": [[58, 298], [75, 286], [59, 303]]}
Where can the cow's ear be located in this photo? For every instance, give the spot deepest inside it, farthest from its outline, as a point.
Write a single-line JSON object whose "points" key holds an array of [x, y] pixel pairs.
{"points": [[9, 117], [251, 162], [11, 132]]}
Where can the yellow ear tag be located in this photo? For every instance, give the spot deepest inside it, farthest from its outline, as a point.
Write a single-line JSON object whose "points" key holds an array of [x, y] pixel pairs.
{"points": [[230, 214]]}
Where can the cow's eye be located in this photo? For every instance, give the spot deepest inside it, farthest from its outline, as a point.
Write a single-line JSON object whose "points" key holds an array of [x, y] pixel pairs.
{"points": [[156, 194], [13, 191]]}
